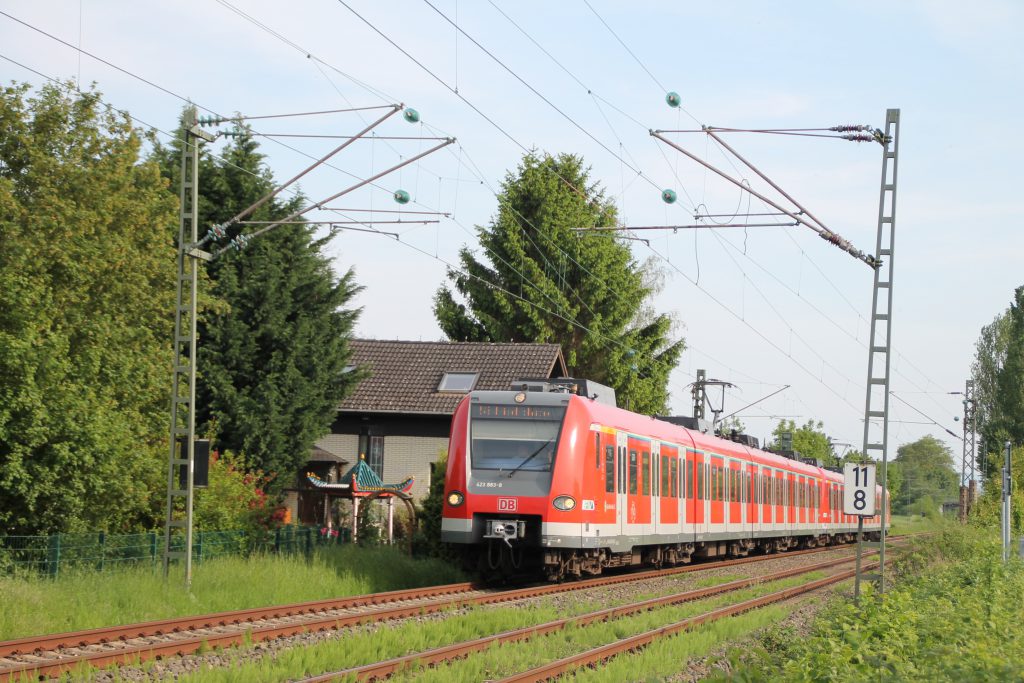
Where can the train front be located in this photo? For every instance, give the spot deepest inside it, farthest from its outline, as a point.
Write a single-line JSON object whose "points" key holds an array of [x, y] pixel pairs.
{"points": [[501, 463]]}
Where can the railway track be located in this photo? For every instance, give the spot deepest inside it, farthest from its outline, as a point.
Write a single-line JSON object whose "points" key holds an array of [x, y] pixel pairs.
{"points": [[385, 669], [51, 655]]}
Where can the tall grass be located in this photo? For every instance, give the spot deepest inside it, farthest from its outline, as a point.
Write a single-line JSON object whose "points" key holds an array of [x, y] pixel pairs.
{"points": [[913, 524], [80, 600]]}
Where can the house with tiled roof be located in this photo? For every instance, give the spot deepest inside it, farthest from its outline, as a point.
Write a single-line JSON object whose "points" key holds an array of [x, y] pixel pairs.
{"points": [[399, 416]]}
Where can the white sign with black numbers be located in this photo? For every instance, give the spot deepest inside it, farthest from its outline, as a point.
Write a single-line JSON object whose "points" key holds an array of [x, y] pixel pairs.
{"points": [[859, 494]]}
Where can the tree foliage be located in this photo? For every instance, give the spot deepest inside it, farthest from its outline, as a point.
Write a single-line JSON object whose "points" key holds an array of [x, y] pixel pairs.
{"points": [[272, 358], [810, 440], [542, 282], [86, 306], [998, 373], [927, 469], [1009, 401]]}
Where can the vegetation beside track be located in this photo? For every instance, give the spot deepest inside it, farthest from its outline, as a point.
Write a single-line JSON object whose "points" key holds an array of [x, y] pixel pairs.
{"points": [[394, 640], [953, 614], [82, 600]]}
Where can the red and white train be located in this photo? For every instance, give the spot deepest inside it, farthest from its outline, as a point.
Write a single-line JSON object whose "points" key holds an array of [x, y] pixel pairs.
{"points": [[542, 479]]}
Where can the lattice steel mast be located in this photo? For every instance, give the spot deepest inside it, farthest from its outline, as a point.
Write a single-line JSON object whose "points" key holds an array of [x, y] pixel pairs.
{"points": [[183, 387], [880, 340], [968, 483]]}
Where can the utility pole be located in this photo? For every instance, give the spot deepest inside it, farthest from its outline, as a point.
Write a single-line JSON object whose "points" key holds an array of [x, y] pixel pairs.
{"points": [[181, 464], [968, 483], [880, 340], [699, 394], [1007, 509]]}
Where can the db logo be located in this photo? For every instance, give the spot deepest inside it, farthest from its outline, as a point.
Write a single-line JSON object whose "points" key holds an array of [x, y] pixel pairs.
{"points": [[507, 505]]}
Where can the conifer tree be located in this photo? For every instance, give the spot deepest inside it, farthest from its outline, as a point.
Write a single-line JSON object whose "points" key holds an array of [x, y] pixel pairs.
{"points": [[274, 347], [543, 282]]}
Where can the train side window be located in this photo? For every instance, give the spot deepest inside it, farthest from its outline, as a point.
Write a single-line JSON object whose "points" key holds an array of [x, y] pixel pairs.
{"points": [[700, 480], [645, 476], [632, 471], [609, 469], [664, 476], [688, 467], [675, 478], [597, 450]]}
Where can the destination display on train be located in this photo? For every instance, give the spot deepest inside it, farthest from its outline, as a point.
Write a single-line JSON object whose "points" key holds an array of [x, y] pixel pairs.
{"points": [[517, 412]]}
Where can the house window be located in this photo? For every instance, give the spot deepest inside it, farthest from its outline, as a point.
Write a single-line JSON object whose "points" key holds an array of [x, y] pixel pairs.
{"points": [[371, 448], [375, 455], [458, 381]]}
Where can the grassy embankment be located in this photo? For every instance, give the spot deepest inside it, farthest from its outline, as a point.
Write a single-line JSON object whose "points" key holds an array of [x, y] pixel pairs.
{"points": [[34, 604], [953, 614]]}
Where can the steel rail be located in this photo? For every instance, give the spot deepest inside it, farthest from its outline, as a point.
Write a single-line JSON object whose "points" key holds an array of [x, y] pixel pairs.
{"points": [[385, 669], [217, 619], [597, 655]]}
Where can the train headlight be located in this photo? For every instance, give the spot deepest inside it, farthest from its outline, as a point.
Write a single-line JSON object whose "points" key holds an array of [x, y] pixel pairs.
{"points": [[564, 503], [455, 499]]}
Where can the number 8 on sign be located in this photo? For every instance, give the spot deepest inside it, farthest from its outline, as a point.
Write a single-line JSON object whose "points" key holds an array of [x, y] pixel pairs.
{"points": [[859, 489]]}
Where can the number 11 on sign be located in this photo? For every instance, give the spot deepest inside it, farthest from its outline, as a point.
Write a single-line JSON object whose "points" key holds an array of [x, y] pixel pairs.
{"points": [[859, 489]]}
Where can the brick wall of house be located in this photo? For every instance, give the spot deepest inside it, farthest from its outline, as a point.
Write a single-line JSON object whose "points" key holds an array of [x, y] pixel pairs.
{"points": [[343, 445], [411, 456]]}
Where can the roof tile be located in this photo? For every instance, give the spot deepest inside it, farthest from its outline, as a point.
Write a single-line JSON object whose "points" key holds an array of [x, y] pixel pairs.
{"points": [[404, 375]]}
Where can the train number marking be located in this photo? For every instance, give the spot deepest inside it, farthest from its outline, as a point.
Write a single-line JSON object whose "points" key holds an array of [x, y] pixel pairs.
{"points": [[508, 505]]}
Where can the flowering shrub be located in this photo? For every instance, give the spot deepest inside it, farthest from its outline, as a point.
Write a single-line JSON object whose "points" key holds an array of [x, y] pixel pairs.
{"points": [[235, 499]]}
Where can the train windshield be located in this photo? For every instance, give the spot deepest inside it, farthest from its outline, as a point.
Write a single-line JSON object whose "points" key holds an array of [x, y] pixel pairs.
{"points": [[514, 438]]}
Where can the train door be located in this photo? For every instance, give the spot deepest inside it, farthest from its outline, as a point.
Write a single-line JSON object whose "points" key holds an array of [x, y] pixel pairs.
{"points": [[764, 481], [735, 504], [751, 490], [655, 527], [697, 491], [717, 481], [801, 512], [606, 511], [668, 490], [638, 491], [621, 483]]}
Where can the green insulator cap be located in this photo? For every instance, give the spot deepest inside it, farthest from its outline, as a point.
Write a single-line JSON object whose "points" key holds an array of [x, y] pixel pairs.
{"points": [[401, 196], [668, 196], [673, 99], [411, 115]]}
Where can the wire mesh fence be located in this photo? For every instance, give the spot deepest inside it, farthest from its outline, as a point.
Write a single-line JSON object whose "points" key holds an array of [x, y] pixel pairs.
{"points": [[100, 551]]}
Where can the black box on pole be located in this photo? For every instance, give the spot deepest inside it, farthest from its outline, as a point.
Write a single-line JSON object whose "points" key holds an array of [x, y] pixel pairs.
{"points": [[200, 467]]}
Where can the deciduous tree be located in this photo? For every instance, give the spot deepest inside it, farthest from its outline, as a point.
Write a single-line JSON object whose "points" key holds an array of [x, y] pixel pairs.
{"points": [[927, 468], [809, 440], [539, 281], [86, 306]]}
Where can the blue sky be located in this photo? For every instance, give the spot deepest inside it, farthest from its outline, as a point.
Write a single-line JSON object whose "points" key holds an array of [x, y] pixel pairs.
{"points": [[953, 69]]}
